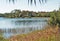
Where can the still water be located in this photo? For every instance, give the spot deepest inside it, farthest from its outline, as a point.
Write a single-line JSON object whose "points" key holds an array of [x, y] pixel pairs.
{"points": [[14, 26]]}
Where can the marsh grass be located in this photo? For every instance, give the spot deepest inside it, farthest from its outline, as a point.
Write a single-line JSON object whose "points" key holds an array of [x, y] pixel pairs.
{"points": [[48, 34]]}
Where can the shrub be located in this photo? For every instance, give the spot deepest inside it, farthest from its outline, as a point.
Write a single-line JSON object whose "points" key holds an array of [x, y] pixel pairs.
{"points": [[55, 18]]}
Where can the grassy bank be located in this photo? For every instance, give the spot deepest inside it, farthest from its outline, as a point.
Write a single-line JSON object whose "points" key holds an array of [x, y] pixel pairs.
{"points": [[48, 34], [3, 39]]}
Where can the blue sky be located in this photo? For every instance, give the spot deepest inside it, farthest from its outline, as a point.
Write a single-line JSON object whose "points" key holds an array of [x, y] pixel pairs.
{"points": [[51, 5]]}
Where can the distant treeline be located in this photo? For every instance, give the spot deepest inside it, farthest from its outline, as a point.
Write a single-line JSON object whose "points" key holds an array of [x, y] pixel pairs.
{"points": [[18, 13]]}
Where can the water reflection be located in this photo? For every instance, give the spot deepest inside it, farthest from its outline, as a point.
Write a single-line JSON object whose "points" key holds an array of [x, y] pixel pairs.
{"points": [[15, 26]]}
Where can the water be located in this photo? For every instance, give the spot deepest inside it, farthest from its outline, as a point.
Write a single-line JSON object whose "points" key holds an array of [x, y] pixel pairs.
{"points": [[14, 26]]}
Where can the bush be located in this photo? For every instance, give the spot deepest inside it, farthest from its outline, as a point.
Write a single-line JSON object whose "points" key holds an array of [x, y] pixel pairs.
{"points": [[55, 18]]}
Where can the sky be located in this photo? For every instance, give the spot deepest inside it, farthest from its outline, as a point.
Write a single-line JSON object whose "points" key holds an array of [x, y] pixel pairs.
{"points": [[50, 5]]}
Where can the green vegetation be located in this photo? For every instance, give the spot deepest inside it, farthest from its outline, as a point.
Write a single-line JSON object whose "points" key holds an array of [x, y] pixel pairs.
{"points": [[2, 38], [24, 14], [29, 14], [51, 33], [55, 18]]}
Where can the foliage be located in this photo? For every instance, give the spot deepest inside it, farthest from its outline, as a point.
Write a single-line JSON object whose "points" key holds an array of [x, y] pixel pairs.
{"points": [[17, 14], [55, 18], [30, 1]]}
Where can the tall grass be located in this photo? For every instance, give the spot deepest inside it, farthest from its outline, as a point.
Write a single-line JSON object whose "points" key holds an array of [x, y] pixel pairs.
{"points": [[48, 34]]}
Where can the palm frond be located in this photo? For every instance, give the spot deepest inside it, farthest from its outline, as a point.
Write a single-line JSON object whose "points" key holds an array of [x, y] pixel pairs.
{"points": [[45, 1], [42, 1], [39, 1], [35, 2], [12, 1], [9, 0], [30, 1]]}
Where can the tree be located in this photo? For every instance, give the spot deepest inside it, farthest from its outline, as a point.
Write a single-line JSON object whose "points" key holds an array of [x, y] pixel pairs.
{"points": [[55, 18]]}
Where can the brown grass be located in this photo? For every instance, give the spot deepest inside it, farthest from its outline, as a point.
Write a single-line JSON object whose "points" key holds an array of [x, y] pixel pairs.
{"points": [[48, 34]]}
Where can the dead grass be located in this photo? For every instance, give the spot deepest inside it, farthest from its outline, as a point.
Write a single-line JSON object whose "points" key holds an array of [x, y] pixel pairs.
{"points": [[48, 34]]}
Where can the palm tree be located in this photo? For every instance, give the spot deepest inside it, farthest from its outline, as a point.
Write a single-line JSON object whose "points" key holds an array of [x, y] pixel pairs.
{"points": [[30, 1]]}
